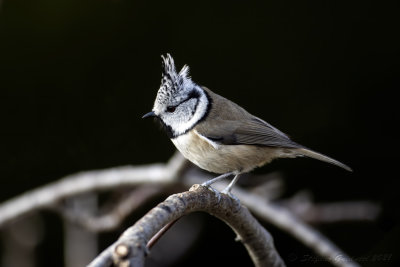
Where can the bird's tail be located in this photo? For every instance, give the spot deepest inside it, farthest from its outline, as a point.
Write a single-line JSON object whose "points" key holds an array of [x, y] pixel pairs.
{"points": [[315, 155]]}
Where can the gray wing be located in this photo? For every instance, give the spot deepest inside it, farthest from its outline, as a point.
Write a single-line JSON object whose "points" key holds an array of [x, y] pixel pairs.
{"points": [[230, 124], [251, 131]]}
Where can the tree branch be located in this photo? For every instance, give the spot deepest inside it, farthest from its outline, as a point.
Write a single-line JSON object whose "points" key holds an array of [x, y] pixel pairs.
{"points": [[283, 219], [83, 182], [166, 175], [301, 205], [130, 249], [113, 219]]}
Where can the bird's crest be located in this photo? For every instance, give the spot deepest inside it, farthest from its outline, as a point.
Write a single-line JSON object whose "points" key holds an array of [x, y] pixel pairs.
{"points": [[173, 81]]}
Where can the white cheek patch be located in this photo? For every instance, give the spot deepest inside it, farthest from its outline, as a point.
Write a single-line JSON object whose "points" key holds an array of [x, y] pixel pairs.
{"points": [[215, 145], [199, 112]]}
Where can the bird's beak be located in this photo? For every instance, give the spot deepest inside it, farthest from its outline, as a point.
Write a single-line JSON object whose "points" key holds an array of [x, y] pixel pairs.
{"points": [[150, 114]]}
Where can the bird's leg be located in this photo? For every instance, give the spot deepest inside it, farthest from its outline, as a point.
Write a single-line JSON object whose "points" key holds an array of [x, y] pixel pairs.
{"points": [[222, 176], [228, 189], [216, 179]]}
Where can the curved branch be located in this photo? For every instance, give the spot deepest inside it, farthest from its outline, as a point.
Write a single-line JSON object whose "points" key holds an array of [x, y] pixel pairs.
{"points": [[90, 181], [167, 174], [283, 219], [130, 249], [113, 219]]}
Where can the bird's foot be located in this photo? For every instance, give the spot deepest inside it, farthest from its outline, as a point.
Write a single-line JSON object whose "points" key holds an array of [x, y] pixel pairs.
{"points": [[212, 189], [226, 191]]}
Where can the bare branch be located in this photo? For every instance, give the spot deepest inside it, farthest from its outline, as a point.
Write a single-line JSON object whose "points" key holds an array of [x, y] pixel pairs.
{"points": [[301, 205], [114, 218], [163, 175], [160, 233], [283, 219], [71, 185], [130, 249]]}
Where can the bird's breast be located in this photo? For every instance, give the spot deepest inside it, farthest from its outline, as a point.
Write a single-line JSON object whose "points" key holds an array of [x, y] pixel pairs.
{"points": [[195, 148], [220, 158]]}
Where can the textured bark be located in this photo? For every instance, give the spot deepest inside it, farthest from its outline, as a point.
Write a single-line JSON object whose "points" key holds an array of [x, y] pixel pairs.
{"points": [[130, 249]]}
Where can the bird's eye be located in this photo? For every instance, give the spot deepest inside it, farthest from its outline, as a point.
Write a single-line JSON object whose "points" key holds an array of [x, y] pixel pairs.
{"points": [[171, 109]]}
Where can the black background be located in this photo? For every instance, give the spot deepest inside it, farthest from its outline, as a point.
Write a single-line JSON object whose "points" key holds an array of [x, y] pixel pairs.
{"points": [[76, 77]]}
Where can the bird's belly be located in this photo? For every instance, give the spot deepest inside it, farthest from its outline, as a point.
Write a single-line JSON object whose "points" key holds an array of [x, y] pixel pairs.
{"points": [[222, 158]]}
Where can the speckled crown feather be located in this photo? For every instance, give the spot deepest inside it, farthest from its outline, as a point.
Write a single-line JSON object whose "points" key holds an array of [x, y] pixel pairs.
{"points": [[171, 81]]}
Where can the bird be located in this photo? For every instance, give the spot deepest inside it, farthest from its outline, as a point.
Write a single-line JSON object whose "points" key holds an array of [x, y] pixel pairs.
{"points": [[217, 134]]}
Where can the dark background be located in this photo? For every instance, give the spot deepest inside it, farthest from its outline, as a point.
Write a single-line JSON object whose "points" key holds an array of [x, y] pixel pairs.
{"points": [[76, 77]]}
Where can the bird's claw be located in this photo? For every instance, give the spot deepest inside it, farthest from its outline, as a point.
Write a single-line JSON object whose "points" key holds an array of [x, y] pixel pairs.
{"points": [[216, 192], [229, 193]]}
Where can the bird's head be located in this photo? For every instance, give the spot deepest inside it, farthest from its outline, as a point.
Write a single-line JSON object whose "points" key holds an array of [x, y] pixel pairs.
{"points": [[180, 103]]}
